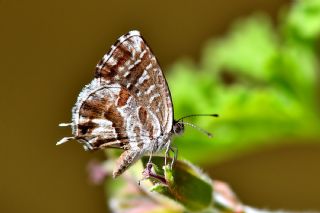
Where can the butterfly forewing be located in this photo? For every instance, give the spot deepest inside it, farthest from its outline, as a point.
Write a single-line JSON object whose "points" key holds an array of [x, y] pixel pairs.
{"points": [[131, 64]]}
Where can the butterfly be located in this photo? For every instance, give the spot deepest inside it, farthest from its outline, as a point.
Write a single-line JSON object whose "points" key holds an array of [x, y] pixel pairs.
{"points": [[127, 105]]}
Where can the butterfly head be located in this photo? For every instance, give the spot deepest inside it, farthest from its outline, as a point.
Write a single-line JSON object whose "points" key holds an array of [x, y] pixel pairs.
{"points": [[178, 127]]}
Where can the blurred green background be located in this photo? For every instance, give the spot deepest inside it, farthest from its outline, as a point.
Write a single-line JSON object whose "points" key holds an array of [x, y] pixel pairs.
{"points": [[253, 62]]}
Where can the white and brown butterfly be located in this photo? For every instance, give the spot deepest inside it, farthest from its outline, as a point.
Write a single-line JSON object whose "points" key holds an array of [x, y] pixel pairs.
{"points": [[127, 105]]}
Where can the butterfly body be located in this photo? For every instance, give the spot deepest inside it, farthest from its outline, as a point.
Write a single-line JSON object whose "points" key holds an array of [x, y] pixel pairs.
{"points": [[127, 105]]}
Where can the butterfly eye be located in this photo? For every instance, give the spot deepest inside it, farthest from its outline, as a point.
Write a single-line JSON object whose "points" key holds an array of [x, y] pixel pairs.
{"points": [[178, 128]]}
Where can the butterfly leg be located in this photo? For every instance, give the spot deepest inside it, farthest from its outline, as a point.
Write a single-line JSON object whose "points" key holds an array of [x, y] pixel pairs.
{"points": [[175, 155], [167, 155], [150, 157], [151, 153]]}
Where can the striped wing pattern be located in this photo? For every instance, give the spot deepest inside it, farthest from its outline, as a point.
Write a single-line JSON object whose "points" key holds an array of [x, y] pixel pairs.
{"points": [[127, 105]]}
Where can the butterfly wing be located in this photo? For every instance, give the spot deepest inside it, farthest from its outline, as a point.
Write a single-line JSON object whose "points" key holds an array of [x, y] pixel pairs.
{"points": [[127, 105], [131, 64], [104, 117]]}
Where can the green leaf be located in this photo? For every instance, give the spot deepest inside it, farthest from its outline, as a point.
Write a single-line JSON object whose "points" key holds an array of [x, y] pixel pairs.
{"points": [[185, 184], [245, 51], [303, 20], [269, 93]]}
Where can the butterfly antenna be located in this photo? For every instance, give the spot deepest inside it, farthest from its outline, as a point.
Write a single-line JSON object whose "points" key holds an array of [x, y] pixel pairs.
{"points": [[196, 115], [198, 128]]}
